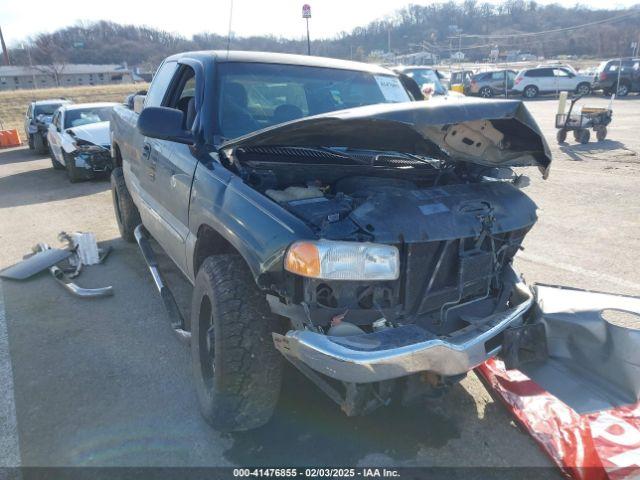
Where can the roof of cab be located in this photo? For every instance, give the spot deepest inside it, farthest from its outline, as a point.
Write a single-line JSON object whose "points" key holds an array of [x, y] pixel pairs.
{"points": [[52, 100], [222, 56], [82, 106]]}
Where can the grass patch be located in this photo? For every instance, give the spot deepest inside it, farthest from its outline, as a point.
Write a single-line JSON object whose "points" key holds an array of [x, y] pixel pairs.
{"points": [[14, 103]]}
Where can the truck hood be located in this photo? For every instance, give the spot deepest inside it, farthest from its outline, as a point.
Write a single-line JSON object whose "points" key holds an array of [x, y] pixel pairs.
{"points": [[96, 133], [485, 132]]}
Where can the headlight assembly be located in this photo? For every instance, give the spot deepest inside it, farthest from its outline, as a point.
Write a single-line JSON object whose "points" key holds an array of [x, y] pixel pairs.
{"points": [[332, 260]]}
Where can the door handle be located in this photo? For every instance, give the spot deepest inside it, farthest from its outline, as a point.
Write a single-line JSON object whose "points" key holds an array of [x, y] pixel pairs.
{"points": [[146, 151]]}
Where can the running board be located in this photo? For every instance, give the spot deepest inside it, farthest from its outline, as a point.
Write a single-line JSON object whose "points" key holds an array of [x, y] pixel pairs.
{"points": [[170, 304]]}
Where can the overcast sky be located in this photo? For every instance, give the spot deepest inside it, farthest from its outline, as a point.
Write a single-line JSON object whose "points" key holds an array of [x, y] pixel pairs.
{"points": [[20, 19]]}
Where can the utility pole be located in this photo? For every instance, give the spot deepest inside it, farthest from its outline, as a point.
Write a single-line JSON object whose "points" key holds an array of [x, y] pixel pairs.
{"points": [[306, 14], [5, 54]]}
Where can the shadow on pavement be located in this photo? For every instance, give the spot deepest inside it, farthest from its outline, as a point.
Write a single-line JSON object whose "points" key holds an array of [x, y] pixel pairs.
{"points": [[19, 155], [580, 152], [44, 185]]}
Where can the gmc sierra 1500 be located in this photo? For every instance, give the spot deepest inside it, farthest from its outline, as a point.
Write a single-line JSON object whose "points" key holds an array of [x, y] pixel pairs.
{"points": [[322, 215]]}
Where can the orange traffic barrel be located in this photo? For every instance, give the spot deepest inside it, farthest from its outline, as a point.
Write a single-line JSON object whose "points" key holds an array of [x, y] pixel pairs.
{"points": [[9, 138]]}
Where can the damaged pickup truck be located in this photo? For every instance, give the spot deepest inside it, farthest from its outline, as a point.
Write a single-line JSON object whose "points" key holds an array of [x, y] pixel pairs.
{"points": [[325, 219]]}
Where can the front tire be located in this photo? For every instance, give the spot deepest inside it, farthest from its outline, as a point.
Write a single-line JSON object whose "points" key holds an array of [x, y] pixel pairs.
{"points": [[530, 91], [55, 163], [72, 171], [30, 142], [582, 136], [561, 136], [39, 144], [127, 214], [486, 92], [601, 133], [237, 370]]}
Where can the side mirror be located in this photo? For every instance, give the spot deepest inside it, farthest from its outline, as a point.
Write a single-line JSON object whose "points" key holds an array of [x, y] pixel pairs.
{"points": [[138, 103], [165, 124]]}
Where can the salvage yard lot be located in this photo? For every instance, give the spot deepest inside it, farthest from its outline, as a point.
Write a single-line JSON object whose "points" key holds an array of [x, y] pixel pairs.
{"points": [[105, 382]]}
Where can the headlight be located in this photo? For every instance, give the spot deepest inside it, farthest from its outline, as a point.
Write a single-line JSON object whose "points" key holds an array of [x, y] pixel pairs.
{"points": [[87, 147], [343, 260]]}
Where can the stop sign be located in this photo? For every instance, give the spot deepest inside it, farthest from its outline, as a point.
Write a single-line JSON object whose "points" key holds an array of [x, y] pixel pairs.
{"points": [[306, 11]]}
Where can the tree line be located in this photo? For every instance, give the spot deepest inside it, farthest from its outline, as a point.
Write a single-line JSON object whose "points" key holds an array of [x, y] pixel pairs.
{"points": [[440, 28]]}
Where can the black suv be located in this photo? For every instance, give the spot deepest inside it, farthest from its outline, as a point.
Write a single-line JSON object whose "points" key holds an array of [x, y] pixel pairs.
{"points": [[628, 69]]}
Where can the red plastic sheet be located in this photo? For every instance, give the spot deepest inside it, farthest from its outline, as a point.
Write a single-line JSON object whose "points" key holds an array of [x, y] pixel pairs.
{"points": [[596, 446]]}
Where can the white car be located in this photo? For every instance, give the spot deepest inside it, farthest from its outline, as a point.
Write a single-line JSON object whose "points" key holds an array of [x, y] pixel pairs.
{"points": [[531, 82], [79, 139]]}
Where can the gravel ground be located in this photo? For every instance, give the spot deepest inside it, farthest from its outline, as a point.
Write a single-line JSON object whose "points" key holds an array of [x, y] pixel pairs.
{"points": [[105, 383]]}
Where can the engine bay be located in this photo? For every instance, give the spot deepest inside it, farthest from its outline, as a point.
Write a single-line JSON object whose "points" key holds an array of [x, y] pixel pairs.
{"points": [[456, 225]]}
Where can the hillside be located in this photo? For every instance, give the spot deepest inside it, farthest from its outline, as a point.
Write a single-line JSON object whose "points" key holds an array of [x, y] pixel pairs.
{"points": [[441, 28]]}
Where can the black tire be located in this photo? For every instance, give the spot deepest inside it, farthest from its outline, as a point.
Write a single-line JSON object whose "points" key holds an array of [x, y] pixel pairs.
{"points": [[486, 92], [601, 133], [530, 91], [582, 135], [623, 90], [30, 142], [237, 370], [127, 214], [561, 136], [72, 171], [583, 89], [55, 163], [39, 144]]}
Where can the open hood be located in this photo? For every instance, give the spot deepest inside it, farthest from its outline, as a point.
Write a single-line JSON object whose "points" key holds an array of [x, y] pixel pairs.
{"points": [[485, 132], [96, 133]]}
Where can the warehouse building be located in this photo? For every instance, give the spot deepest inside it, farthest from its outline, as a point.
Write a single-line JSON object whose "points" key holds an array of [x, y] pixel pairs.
{"points": [[47, 76]]}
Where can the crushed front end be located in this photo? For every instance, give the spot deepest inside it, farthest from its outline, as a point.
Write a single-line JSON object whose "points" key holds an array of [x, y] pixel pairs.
{"points": [[91, 159], [409, 282]]}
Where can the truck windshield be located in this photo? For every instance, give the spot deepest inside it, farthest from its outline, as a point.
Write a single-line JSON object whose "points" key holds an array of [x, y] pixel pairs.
{"points": [[253, 96]]}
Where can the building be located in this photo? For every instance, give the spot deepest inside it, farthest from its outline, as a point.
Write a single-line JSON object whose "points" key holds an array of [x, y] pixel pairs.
{"points": [[48, 76]]}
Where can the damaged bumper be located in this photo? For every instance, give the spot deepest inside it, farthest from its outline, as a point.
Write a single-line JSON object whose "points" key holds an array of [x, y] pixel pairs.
{"points": [[92, 162], [398, 352]]}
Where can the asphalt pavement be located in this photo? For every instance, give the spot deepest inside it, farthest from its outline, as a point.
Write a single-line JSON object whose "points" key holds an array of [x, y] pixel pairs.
{"points": [[105, 382]]}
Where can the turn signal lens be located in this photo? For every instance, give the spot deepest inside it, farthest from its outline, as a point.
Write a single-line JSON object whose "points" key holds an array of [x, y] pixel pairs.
{"points": [[303, 258], [343, 260]]}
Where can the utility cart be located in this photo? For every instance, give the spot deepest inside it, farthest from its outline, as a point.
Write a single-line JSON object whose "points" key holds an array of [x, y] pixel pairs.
{"points": [[595, 118]]}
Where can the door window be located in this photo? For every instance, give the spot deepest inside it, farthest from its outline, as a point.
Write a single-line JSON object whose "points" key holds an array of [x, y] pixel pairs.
{"points": [[182, 96], [161, 81]]}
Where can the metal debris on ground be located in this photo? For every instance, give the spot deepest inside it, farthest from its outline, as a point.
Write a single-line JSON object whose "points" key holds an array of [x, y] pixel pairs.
{"points": [[82, 249]]}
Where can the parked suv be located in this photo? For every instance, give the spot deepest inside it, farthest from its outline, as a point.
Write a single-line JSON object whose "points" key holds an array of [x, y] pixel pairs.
{"points": [[488, 84], [533, 81], [37, 120], [607, 76]]}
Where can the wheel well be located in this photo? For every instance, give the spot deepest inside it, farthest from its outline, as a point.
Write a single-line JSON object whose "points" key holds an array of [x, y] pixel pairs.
{"points": [[209, 243], [117, 156]]}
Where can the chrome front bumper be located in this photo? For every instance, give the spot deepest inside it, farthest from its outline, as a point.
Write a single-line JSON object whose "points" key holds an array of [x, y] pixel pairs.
{"points": [[401, 351]]}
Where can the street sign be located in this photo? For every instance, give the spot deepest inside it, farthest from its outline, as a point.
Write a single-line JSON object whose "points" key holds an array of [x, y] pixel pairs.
{"points": [[306, 11]]}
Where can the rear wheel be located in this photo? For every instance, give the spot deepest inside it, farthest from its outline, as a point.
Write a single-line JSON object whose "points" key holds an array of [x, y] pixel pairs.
{"points": [[601, 133], [583, 89], [530, 91], [623, 90], [127, 214], [582, 136], [561, 136], [486, 92], [236, 368], [30, 142], [39, 144]]}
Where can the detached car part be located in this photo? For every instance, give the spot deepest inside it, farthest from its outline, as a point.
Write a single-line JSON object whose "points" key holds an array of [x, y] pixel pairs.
{"points": [[34, 264], [74, 289]]}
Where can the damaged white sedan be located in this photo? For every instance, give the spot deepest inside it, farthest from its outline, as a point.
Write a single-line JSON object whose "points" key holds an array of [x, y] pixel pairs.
{"points": [[79, 140]]}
